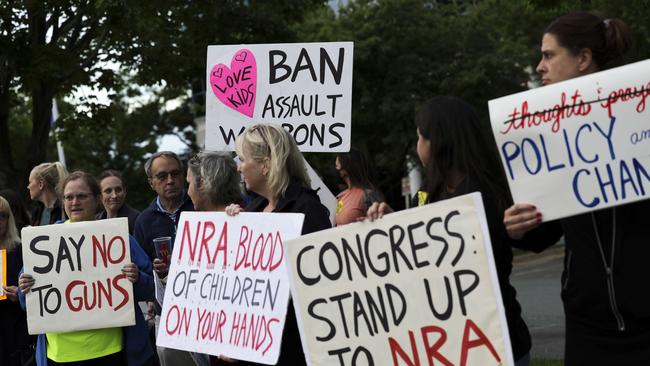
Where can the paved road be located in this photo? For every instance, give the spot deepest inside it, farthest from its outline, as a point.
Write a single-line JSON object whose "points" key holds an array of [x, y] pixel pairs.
{"points": [[537, 280]]}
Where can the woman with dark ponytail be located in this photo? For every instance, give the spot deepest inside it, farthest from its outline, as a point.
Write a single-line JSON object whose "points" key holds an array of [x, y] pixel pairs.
{"points": [[459, 156], [606, 261]]}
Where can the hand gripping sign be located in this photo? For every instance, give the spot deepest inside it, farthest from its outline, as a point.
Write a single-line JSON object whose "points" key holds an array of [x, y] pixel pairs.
{"points": [[305, 87], [227, 291], [579, 145], [78, 279], [418, 287]]}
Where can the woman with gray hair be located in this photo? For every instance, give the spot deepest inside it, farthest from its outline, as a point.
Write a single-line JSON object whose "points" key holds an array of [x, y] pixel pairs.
{"points": [[213, 184], [213, 181]]}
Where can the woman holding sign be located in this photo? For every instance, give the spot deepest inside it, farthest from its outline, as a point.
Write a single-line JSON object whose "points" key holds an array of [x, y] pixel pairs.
{"points": [[273, 167], [457, 153], [14, 340], [108, 346], [213, 184], [607, 313]]}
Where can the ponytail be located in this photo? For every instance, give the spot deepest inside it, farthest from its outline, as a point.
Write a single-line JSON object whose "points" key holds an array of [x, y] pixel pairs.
{"points": [[618, 40], [607, 39], [52, 174]]}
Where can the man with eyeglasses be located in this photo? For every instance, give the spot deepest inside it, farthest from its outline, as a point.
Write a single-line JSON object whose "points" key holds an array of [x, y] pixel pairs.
{"points": [[165, 176]]}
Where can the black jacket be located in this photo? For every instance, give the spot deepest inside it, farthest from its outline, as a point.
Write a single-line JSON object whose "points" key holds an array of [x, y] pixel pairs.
{"points": [[14, 340], [502, 250], [296, 199], [606, 272], [153, 223], [124, 211], [58, 213]]}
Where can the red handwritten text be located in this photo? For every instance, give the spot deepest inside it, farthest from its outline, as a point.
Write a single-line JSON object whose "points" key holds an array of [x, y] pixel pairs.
{"points": [[626, 94], [522, 118]]}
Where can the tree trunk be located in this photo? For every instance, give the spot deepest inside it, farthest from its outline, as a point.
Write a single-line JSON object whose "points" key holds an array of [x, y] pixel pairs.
{"points": [[41, 117], [8, 171]]}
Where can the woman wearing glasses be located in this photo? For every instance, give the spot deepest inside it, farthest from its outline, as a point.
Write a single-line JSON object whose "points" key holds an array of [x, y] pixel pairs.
{"points": [[273, 167], [108, 346]]}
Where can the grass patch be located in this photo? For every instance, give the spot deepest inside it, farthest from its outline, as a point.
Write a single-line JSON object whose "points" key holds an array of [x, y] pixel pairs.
{"points": [[546, 362]]}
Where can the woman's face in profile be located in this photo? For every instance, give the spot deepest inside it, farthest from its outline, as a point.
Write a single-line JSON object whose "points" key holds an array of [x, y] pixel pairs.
{"points": [[558, 63], [34, 187], [253, 172], [193, 191], [423, 148], [342, 172]]}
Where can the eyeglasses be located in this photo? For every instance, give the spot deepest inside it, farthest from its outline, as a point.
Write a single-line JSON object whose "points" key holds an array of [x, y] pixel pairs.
{"points": [[4, 216], [79, 196], [162, 176]]}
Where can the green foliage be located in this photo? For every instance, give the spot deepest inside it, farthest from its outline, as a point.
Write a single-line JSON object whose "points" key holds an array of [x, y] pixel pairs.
{"points": [[409, 50], [405, 52]]}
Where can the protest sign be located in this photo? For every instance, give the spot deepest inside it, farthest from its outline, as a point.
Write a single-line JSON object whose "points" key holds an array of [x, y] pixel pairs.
{"points": [[326, 196], [305, 87], [3, 273], [227, 291], [78, 279], [578, 145], [418, 287]]}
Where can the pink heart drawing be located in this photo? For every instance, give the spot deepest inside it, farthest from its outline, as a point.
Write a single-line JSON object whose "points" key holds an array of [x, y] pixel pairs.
{"points": [[236, 86]]}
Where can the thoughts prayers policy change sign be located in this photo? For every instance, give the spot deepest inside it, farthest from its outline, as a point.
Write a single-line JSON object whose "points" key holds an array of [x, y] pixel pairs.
{"points": [[418, 287], [305, 87], [227, 291], [579, 145], [78, 279]]}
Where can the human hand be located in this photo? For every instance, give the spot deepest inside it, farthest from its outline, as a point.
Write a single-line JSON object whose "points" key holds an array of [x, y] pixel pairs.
{"points": [[520, 218], [11, 292], [226, 359], [377, 210], [25, 282], [132, 272], [160, 267], [233, 209]]}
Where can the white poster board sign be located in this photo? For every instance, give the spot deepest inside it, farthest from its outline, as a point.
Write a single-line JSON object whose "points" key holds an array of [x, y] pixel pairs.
{"points": [[305, 87], [418, 287], [78, 279], [227, 291], [579, 145], [326, 196]]}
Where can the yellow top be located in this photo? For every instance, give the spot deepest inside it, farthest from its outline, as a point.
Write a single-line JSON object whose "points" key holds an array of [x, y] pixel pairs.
{"points": [[422, 198], [84, 344]]}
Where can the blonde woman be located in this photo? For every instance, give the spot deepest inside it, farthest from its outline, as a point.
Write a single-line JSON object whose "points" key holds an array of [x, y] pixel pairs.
{"points": [[14, 340], [273, 167], [43, 187]]}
